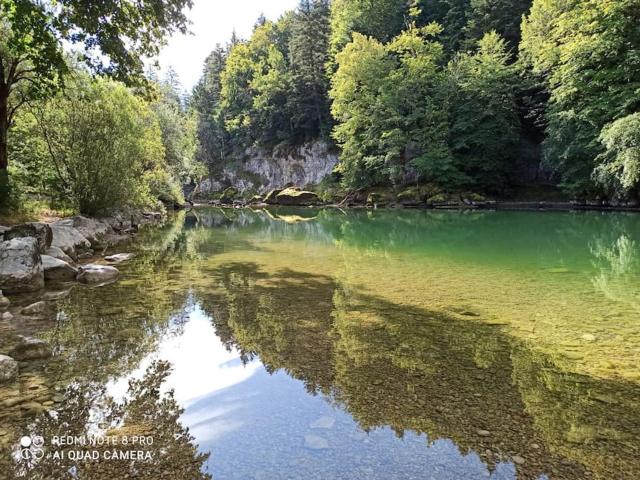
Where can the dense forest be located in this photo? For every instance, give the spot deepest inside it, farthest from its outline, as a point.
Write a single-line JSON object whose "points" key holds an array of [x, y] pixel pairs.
{"points": [[452, 93]]}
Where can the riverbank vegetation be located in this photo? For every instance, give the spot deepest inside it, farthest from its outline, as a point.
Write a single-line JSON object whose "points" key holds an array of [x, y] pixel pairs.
{"points": [[447, 96]]}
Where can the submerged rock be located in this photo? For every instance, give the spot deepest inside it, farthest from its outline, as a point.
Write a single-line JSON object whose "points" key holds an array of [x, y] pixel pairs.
{"points": [[8, 368], [292, 196], [315, 442], [97, 274], [7, 316], [119, 257], [37, 308], [40, 231], [57, 270], [4, 301], [324, 422], [20, 266], [69, 240], [31, 348]]}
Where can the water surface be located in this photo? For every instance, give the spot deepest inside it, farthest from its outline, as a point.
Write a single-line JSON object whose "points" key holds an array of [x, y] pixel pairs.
{"points": [[349, 345]]}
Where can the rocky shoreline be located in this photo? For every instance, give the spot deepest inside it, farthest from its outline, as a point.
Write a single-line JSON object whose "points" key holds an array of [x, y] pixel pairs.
{"points": [[36, 255], [410, 198]]}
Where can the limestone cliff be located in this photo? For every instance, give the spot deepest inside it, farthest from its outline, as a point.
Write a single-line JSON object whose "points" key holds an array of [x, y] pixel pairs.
{"points": [[263, 170]]}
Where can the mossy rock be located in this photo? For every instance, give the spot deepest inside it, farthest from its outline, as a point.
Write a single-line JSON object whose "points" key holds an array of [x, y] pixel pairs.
{"points": [[256, 199], [294, 196], [270, 198], [228, 195], [411, 194], [439, 198], [474, 197]]}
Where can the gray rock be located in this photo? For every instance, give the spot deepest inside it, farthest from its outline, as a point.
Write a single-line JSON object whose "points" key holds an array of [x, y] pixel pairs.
{"points": [[69, 240], [314, 442], [119, 257], [38, 308], [8, 368], [97, 274], [483, 433], [518, 459], [56, 252], [7, 316], [57, 270], [20, 266], [30, 348], [39, 231], [90, 228]]}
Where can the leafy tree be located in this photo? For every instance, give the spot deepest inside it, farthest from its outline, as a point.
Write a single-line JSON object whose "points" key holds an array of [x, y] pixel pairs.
{"points": [[587, 53], [115, 36], [501, 16], [379, 19], [484, 124], [618, 168], [105, 145], [178, 127]]}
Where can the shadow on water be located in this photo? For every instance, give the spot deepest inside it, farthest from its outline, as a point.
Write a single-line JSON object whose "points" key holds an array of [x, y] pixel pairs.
{"points": [[416, 370]]}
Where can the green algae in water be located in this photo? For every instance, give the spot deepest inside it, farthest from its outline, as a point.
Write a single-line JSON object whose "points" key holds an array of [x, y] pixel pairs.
{"points": [[520, 326]]}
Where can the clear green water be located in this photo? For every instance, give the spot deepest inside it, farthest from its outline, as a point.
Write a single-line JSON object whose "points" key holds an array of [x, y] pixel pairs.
{"points": [[351, 345]]}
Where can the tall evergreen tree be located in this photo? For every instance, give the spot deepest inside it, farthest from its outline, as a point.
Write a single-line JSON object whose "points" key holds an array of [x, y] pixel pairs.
{"points": [[308, 51]]}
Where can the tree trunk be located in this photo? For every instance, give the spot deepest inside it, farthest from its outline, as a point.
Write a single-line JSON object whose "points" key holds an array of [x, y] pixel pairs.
{"points": [[4, 127]]}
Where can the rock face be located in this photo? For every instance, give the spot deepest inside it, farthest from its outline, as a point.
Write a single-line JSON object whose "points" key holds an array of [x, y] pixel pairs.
{"points": [[31, 348], [20, 265], [293, 196], [57, 270], [264, 171], [8, 368], [69, 240], [40, 231], [56, 252], [97, 274]]}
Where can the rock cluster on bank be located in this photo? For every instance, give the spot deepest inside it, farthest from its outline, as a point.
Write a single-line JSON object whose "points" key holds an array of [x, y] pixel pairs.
{"points": [[34, 253]]}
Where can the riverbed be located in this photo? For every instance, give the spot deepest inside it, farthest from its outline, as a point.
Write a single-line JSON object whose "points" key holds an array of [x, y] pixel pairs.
{"points": [[379, 344]]}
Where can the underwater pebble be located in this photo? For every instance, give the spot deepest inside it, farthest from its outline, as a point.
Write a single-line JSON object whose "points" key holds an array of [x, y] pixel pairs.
{"points": [[483, 433], [518, 459], [323, 422]]}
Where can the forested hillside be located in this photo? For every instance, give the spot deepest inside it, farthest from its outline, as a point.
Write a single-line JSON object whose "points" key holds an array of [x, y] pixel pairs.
{"points": [[453, 96], [456, 93]]}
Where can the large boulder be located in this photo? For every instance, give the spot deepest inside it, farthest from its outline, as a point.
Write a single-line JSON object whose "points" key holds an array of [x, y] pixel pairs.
{"points": [[30, 348], [292, 196], [40, 231], [91, 229], [97, 274], [56, 252], [69, 240], [20, 265], [8, 368], [57, 270]]}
